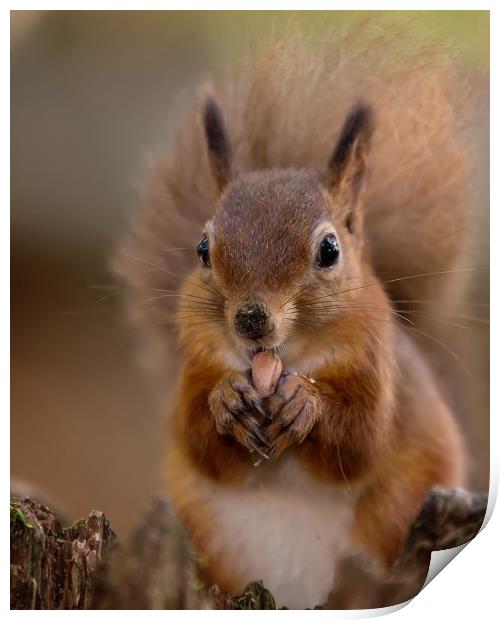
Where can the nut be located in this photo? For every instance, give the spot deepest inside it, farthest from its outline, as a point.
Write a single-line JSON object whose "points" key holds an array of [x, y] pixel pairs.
{"points": [[266, 371]]}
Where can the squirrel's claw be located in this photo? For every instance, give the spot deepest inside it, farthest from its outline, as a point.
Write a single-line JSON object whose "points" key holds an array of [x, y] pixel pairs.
{"points": [[294, 408], [237, 410]]}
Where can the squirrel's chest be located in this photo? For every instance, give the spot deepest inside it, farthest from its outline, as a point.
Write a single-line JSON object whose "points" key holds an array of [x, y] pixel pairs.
{"points": [[286, 529]]}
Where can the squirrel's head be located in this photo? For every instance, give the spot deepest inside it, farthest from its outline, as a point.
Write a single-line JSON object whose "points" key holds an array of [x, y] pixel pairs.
{"points": [[283, 245]]}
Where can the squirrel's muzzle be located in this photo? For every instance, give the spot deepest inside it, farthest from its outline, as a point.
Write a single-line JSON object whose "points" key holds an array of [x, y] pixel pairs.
{"points": [[252, 321]]}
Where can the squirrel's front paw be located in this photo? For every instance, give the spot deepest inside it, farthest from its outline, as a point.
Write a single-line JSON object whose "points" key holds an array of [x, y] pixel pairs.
{"points": [[294, 409], [237, 410]]}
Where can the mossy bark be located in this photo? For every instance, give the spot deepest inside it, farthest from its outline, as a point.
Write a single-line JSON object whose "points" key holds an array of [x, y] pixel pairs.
{"points": [[52, 566]]}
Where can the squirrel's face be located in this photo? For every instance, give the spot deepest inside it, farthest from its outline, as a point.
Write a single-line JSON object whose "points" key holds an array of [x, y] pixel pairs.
{"points": [[281, 243], [275, 243]]}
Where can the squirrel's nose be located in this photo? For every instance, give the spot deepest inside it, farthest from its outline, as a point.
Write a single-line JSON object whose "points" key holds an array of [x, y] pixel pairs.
{"points": [[252, 321]]}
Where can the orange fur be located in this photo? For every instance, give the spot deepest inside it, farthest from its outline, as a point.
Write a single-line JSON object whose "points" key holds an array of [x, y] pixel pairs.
{"points": [[371, 420]]}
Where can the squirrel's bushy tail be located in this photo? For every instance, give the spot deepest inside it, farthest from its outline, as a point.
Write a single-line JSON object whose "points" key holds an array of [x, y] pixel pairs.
{"points": [[285, 108]]}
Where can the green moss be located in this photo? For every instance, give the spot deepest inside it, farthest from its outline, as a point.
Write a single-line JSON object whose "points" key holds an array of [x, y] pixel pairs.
{"points": [[76, 525], [16, 516], [255, 596], [197, 586]]}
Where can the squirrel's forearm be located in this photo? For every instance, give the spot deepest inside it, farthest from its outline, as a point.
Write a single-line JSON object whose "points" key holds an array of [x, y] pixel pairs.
{"points": [[354, 427], [216, 455]]}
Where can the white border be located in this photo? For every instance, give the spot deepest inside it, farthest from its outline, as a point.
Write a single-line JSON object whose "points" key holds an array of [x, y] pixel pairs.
{"points": [[468, 585]]}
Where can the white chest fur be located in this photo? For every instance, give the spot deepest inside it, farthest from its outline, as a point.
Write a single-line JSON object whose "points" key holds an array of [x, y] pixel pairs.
{"points": [[286, 528]]}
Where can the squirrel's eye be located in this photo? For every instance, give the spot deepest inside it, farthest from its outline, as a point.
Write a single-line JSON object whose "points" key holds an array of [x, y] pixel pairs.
{"points": [[202, 250], [328, 252]]}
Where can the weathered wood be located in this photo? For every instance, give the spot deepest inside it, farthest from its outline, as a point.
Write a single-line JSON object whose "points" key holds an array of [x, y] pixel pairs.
{"points": [[155, 569], [52, 566], [255, 596], [446, 520], [83, 566]]}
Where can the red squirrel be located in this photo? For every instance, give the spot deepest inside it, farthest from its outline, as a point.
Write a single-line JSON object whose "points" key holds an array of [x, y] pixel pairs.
{"points": [[314, 188]]}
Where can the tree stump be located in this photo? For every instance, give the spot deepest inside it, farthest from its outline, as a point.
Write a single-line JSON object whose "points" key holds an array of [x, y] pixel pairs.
{"points": [[52, 567], [84, 567]]}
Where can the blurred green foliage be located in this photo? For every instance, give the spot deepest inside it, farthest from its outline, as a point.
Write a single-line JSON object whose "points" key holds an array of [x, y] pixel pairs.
{"points": [[234, 30]]}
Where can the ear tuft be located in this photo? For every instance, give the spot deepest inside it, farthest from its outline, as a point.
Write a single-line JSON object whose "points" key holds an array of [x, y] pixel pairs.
{"points": [[348, 156], [219, 150]]}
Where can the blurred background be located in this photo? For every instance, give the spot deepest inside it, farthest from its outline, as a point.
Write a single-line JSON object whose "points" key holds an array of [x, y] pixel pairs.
{"points": [[90, 99]]}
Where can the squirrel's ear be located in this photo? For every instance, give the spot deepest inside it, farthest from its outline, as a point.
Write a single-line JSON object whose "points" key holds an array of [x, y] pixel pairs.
{"points": [[346, 168], [219, 149]]}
